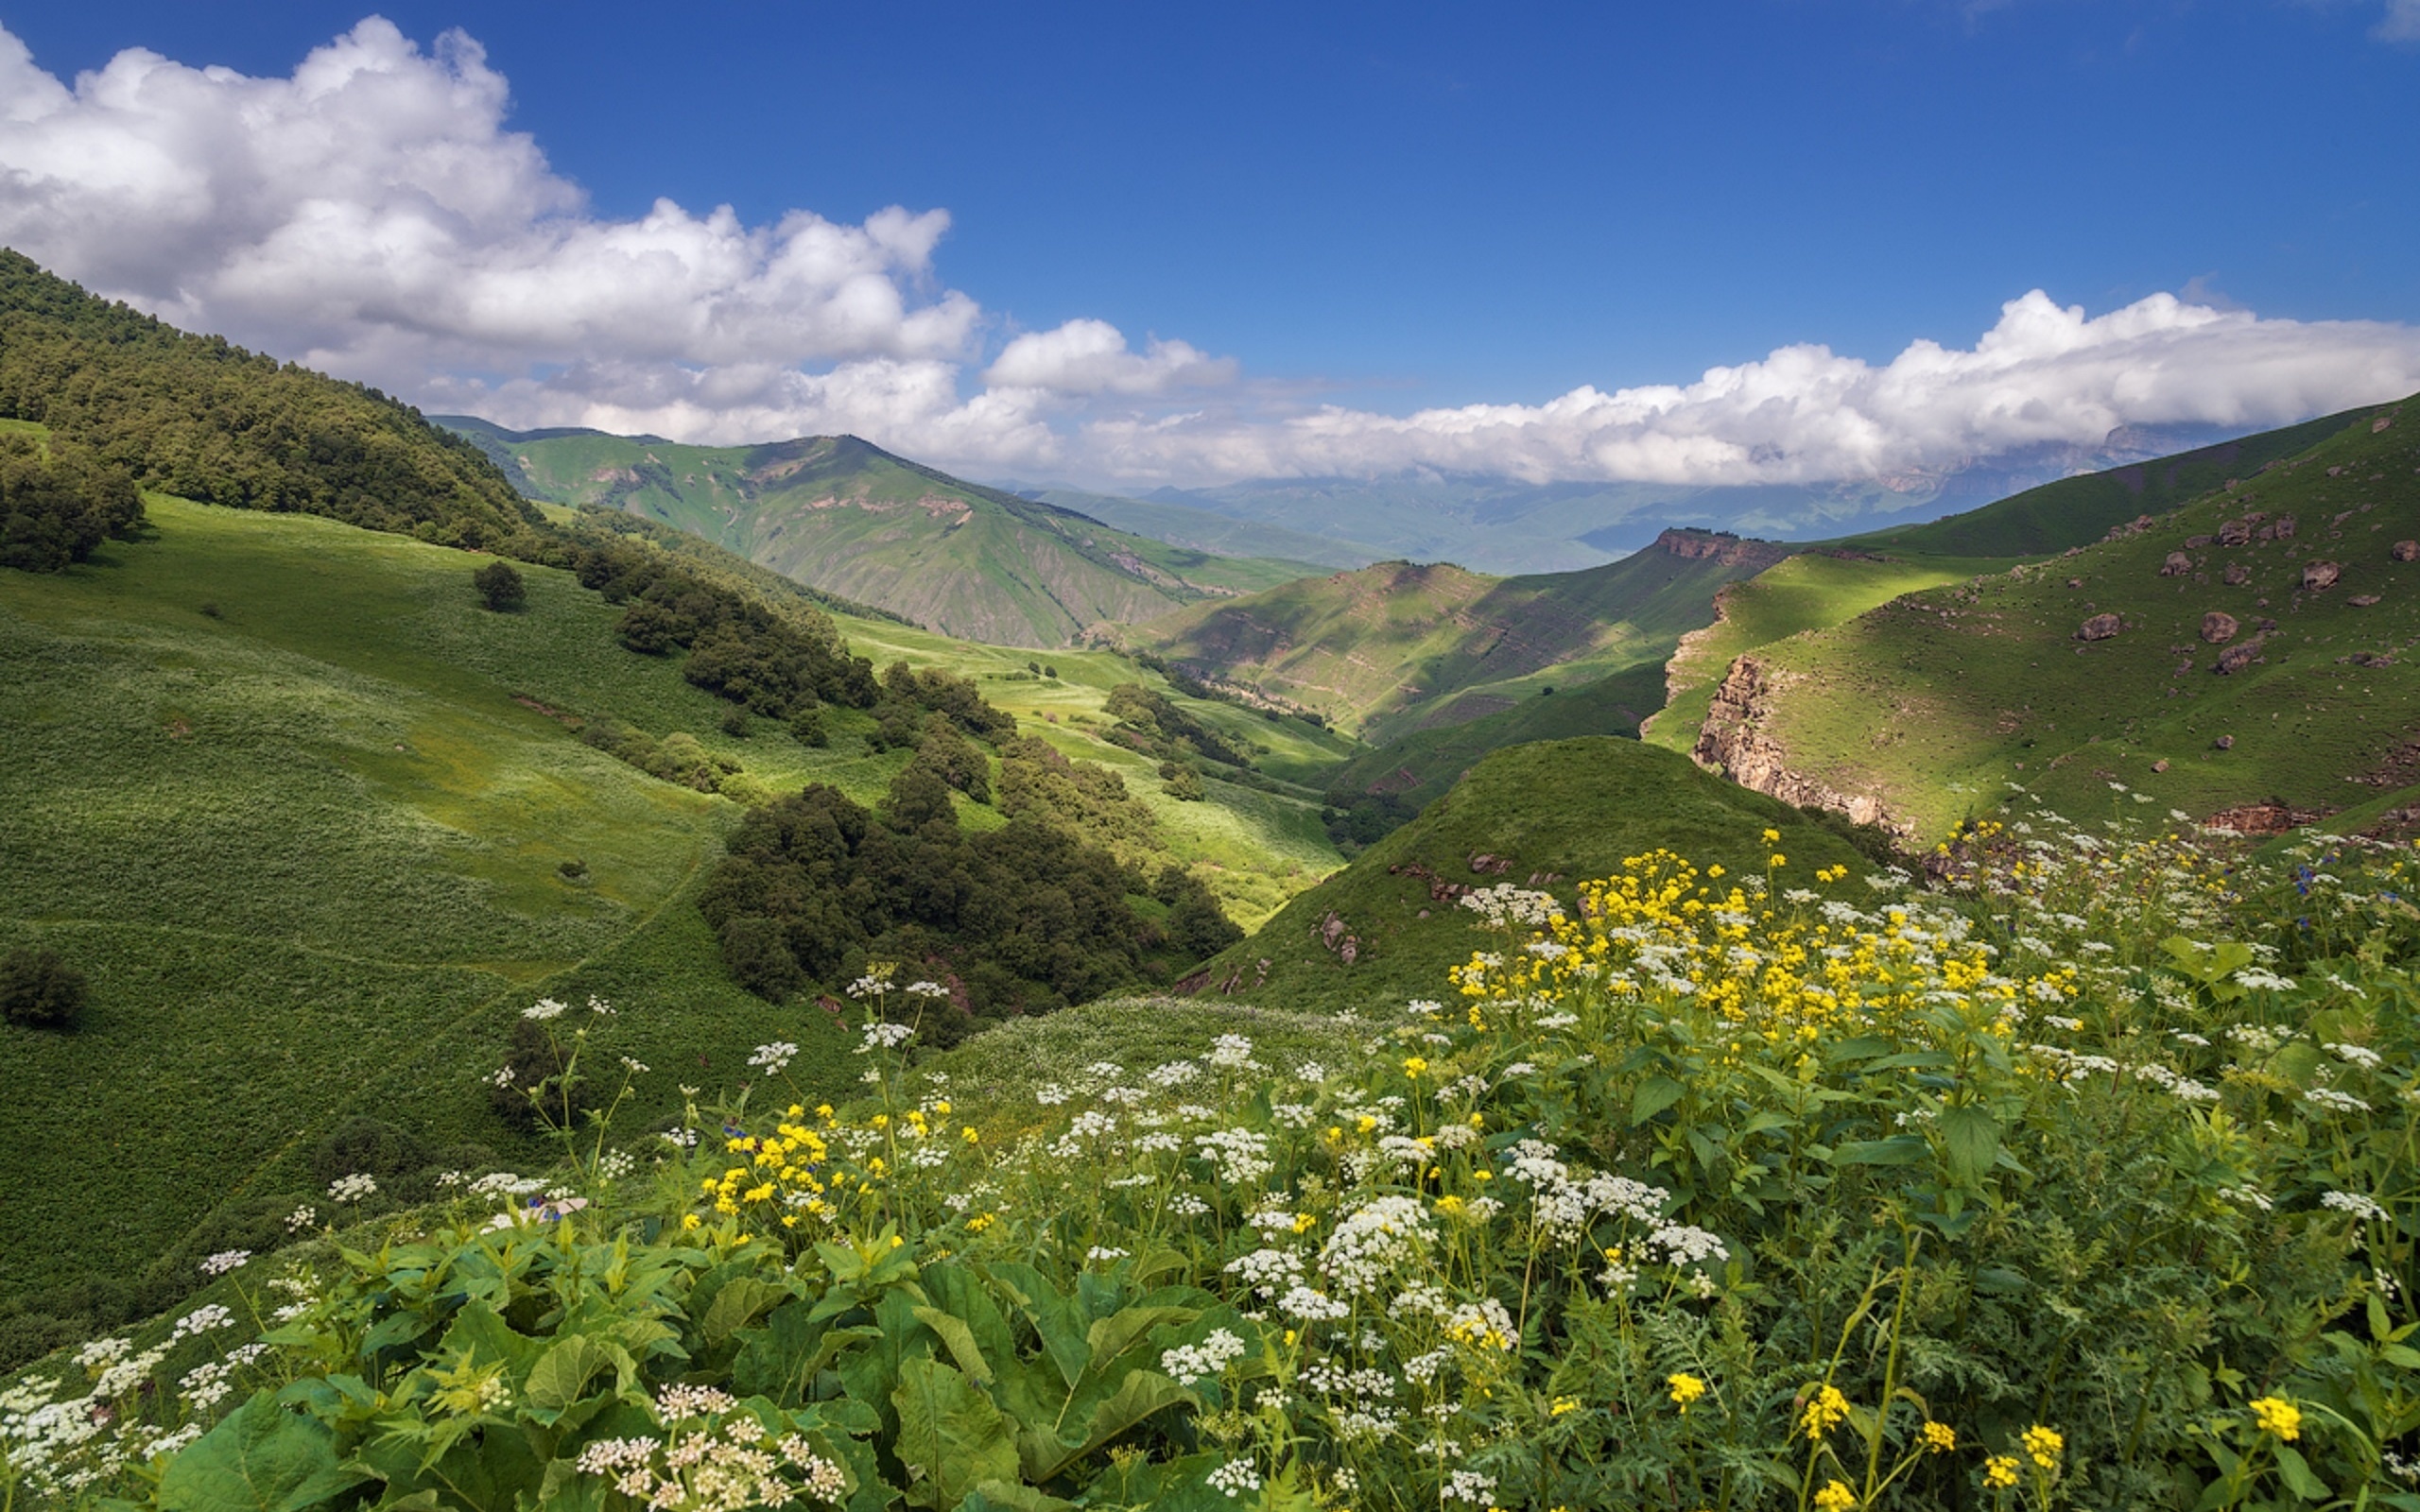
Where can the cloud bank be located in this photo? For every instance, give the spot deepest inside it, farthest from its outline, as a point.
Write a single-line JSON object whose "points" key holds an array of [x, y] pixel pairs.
{"points": [[373, 216]]}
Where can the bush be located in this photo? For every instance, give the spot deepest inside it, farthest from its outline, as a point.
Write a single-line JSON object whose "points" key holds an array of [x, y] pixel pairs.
{"points": [[500, 583], [369, 1146], [39, 990]]}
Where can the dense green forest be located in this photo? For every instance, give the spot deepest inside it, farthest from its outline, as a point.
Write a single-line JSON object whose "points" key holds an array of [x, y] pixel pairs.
{"points": [[58, 505]]}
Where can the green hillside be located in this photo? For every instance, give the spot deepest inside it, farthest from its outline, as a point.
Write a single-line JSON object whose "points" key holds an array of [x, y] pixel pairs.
{"points": [[846, 517], [1397, 648], [1207, 530], [302, 811], [2079, 510], [1811, 591], [1541, 815], [1933, 702]]}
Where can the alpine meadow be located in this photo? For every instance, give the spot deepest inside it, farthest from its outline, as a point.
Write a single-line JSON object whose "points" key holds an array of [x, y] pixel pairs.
{"points": [[806, 894]]}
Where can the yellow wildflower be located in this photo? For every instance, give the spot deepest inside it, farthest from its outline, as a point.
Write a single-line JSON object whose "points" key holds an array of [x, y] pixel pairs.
{"points": [[2275, 1414], [1835, 1497], [1999, 1472], [2042, 1445], [1940, 1438], [1685, 1388], [1824, 1413]]}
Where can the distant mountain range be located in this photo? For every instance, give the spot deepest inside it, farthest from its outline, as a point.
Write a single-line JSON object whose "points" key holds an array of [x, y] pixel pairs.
{"points": [[846, 517], [1504, 525]]}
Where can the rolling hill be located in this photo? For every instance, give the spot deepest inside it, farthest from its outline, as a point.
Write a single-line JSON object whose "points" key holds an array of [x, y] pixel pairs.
{"points": [[2244, 657], [846, 517], [1541, 815], [1397, 648]]}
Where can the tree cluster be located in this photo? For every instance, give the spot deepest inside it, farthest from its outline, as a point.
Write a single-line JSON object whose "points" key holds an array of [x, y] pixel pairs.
{"points": [[203, 418], [1020, 919], [1148, 722], [58, 508], [39, 989]]}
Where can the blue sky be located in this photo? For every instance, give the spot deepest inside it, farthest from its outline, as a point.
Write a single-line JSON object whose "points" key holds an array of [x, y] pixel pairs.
{"points": [[1389, 209]]}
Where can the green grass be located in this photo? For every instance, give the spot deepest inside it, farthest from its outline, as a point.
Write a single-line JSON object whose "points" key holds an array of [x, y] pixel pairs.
{"points": [[1397, 648], [1419, 767], [848, 518], [1806, 592], [1934, 702], [1558, 812], [307, 849]]}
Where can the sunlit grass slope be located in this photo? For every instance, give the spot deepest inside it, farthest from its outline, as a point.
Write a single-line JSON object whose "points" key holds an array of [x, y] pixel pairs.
{"points": [[297, 805], [1810, 592], [1935, 701], [1398, 647], [847, 517], [1546, 815]]}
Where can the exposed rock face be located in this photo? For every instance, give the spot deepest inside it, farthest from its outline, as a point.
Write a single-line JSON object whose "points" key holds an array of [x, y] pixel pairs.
{"points": [[1733, 742], [2405, 551], [2218, 629], [1724, 547], [2235, 658], [2177, 565], [2099, 628], [2320, 575], [2260, 818], [2235, 533]]}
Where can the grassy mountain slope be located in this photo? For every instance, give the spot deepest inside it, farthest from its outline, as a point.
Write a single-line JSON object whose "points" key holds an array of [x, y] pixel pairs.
{"points": [[295, 803], [1808, 592], [1201, 529], [2079, 510], [1931, 702], [1419, 766], [1396, 647], [849, 517], [1546, 815]]}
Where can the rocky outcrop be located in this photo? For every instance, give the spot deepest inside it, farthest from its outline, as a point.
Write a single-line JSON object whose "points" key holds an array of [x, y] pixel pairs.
{"points": [[2322, 574], [2177, 565], [1720, 546], [2099, 628], [2219, 627], [2405, 551], [1733, 742]]}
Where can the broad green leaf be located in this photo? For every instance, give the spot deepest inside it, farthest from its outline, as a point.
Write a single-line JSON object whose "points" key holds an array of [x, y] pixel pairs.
{"points": [[1005, 1496], [959, 1340], [951, 1438], [1114, 1336], [1138, 1396], [561, 1375], [1972, 1137], [1900, 1149], [1053, 1315], [1653, 1095], [2296, 1473], [260, 1458], [739, 1300]]}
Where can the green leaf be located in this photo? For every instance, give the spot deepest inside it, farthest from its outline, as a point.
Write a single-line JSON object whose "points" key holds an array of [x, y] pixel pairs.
{"points": [[1900, 1149], [2298, 1478], [951, 1438], [959, 1340], [1114, 1336], [1140, 1395], [260, 1458], [1972, 1137], [561, 1375], [1004, 1495], [1653, 1095], [741, 1299]]}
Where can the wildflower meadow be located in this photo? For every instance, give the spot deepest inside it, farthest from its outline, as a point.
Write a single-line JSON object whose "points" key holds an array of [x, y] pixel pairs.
{"points": [[2072, 1169]]}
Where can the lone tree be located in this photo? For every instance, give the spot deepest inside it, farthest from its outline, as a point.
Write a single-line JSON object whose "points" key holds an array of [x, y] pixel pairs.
{"points": [[500, 584], [39, 990]]}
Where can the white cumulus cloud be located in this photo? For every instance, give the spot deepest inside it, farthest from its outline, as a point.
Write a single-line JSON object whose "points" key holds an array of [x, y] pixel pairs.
{"points": [[372, 215]]}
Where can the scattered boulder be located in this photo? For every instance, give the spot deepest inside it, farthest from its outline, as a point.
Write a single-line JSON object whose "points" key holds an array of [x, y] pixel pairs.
{"points": [[2160, 766], [2321, 575], [2380, 424], [2218, 629], [1490, 865], [2264, 624], [2177, 565], [2224, 743], [2405, 551], [2099, 628], [2075, 582], [2235, 533], [2237, 575], [2362, 600], [2235, 659], [2285, 527], [2196, 542]]}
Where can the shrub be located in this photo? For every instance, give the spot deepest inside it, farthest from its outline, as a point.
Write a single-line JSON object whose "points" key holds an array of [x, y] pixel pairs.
{"points": [[39, 990], [500, 583]]}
